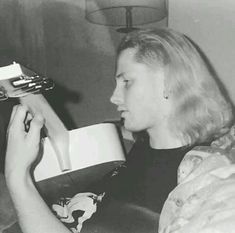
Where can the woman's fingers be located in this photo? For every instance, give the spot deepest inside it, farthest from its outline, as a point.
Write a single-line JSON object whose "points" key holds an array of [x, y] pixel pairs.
{"points": [[35, 127], [18, 117], [21, 119]]}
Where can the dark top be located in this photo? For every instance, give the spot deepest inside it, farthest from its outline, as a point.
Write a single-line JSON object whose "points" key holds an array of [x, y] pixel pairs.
{"points": [[136, 192], [148, 176]]}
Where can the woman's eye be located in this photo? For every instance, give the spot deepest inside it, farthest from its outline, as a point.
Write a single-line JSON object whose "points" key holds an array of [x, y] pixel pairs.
{"points": [[126, 82]]}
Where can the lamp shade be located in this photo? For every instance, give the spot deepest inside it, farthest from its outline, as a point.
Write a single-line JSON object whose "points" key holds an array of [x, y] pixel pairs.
{"points": [[114, 12]]}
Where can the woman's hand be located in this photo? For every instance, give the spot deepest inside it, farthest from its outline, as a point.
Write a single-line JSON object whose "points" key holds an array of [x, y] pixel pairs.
{"points": [[34, 216], [23, 141]]}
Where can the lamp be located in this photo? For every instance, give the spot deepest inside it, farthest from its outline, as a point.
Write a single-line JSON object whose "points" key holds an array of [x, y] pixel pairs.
{"points": [[127, 13]]}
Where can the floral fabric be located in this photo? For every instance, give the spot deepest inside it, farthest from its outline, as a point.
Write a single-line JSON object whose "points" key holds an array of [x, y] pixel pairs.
{"points": [[204, 199]]}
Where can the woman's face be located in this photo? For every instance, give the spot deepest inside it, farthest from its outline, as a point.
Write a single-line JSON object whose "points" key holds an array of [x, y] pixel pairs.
{"points": [[139, 93]]}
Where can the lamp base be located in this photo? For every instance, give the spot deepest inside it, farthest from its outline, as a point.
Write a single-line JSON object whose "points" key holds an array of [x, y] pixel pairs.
{"points": [[126, 29]]}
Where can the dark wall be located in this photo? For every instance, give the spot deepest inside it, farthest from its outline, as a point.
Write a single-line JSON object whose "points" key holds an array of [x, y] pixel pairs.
{"points": [[53, 38]]}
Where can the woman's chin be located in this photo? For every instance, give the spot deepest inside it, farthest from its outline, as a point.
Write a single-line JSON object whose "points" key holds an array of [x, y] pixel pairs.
{"points": [[130, 126]]}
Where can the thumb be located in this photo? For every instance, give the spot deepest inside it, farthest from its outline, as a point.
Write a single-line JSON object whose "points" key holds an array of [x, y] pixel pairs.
{"points": [[35, 128]]}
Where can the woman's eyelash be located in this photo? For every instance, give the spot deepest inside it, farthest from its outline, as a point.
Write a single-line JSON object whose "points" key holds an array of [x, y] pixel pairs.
{"points": [[127, 83]]}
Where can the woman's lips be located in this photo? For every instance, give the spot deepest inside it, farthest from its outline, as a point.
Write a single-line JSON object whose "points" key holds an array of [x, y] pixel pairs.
{"points": [[123, 113]]}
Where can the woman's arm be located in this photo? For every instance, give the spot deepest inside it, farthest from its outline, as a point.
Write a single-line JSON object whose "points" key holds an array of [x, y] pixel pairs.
{"points": [[22, 149]]}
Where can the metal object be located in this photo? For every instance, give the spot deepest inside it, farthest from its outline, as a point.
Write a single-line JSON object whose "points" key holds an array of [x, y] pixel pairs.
{"points": [[17, 81]]}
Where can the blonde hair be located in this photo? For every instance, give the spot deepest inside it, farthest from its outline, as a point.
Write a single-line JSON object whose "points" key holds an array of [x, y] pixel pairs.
{"points": [[201, 112]]}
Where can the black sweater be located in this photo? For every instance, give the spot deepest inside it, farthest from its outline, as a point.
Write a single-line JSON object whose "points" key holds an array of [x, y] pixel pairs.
{"points": [[148, 176]]}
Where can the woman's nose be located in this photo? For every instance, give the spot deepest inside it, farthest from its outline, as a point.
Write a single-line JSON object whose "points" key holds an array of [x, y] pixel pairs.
{"points": [[116, 97]]}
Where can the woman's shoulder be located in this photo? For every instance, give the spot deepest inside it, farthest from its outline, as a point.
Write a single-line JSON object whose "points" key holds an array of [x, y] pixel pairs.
{"points": [[204, 196], [200, 159]]}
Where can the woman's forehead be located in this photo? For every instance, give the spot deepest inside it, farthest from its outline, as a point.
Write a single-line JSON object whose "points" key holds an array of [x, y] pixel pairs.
{"points": [[128, 54], [127, 63]]}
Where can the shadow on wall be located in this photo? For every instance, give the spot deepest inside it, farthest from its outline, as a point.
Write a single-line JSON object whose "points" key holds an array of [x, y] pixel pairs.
{"points": [[80, 58], [57, 98], [54, 39]]}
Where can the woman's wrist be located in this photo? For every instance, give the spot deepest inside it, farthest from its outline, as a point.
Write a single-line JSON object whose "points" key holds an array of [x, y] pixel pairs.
{"points": [[17, 178]]}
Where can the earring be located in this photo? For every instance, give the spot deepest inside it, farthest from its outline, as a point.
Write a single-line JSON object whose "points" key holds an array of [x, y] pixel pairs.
{"points": [[166, 94]]}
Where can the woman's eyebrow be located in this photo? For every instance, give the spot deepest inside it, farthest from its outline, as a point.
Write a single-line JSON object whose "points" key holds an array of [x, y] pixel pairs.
{"points": [[119, 75]]}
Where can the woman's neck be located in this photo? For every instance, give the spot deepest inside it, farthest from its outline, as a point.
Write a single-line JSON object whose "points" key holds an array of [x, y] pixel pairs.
{"points": [[162, 138]]}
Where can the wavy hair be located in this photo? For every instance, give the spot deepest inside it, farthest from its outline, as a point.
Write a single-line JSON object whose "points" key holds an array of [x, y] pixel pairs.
{"points": [[201, 112]]}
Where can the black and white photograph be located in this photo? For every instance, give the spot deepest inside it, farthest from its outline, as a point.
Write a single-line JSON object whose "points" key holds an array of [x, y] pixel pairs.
{"points": [[117, 116]]}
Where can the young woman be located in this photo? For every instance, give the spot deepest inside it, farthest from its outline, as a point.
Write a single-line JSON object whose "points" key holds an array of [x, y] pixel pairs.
{"points": [[163, 87]]}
